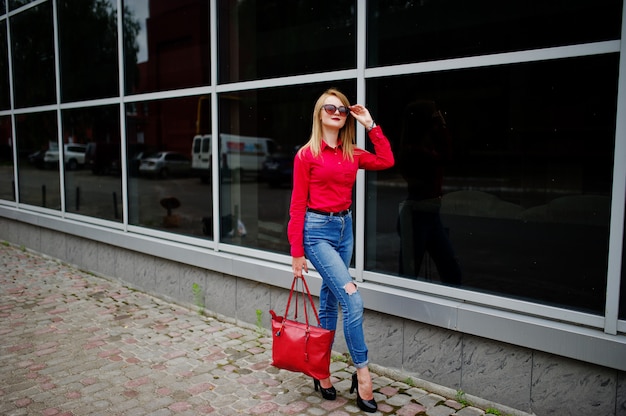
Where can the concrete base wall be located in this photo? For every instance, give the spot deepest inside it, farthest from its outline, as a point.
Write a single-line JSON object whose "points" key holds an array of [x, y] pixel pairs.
{"points": [[524, 379]]}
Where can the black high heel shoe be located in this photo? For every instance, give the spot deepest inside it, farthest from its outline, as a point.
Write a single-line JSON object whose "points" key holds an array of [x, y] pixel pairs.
{"points": [[328, 394], [368, 406]]}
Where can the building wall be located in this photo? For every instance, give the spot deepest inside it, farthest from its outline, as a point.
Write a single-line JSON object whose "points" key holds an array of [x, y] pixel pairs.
{"points": [[532, 196], [521, 378]]}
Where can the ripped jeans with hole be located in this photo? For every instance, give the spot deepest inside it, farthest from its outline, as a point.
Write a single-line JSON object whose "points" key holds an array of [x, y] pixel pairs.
{"points": [[328, 245]]}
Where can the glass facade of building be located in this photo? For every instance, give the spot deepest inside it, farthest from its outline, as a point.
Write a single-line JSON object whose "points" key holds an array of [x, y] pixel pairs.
{"points": [[174, 119]]}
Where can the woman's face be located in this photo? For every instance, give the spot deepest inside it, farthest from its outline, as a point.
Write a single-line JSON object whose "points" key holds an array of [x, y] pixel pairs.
{"points": [[335, 119]]}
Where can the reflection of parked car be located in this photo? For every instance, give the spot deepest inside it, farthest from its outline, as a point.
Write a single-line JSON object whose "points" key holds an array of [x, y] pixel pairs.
{"points": [[103, 158], [165, 164], [278, 169], [36, 159], [74, 156]]}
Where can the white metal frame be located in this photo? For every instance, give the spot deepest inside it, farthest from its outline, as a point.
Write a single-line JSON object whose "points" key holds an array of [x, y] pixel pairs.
{"points": [[616, 236]]}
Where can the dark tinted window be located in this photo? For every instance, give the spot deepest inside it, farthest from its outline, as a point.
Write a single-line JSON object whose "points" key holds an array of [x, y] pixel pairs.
{"points": [[5, 100], [14, 4], [509, 192], [153, 127], [166, 45], [36, 135], [33, 56], [93, 184], [260, 132], [88, 49], [402, 31], [7, 183], [266, 39]]}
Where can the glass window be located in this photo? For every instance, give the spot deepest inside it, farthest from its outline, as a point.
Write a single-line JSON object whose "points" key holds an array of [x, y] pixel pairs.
{"points": [[502, 181], [88, 50], [266, 39], [14, 4], [260, 133], [166, 45], [33, 56], [7, 183], [402, 31], [91, 155], [5, 98], [164, 192], [38, 151]]}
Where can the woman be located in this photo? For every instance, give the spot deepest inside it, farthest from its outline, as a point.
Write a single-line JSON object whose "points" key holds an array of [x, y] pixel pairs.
{"points": [[320, 226]]}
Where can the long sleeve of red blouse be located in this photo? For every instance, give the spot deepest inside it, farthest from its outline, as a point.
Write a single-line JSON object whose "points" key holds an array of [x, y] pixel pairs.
{"points": [[325, 182]]}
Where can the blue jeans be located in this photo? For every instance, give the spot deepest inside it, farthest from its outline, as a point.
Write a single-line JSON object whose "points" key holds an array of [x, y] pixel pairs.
{"points": [[328, 244]]}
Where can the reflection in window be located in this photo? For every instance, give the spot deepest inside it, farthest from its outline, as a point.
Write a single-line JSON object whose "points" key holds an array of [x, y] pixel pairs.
{"points": [[88, 49], [512, 179], [33, 56], [450, 29], [91, 155], [276, 38], [164, 192], [14, 4], [166, 45], [261, 131], [37, 145], [5, 100], [7, 183]]}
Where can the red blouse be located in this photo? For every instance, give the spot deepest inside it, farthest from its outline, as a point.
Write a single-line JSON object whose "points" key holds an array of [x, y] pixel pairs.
{"points": [[325, 182]]}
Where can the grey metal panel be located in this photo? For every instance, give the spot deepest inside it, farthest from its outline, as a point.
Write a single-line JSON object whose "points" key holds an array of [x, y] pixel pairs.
{"points": [[422, 308], [523, 307], [554, 337]]}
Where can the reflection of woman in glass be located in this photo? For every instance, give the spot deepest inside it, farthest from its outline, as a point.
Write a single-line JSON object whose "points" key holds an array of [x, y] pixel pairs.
{"points": [[320, 223], [425, 149]]}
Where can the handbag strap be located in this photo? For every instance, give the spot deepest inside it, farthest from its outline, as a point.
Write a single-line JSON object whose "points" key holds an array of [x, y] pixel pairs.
{"points": [[305, 289], [317, 318]]}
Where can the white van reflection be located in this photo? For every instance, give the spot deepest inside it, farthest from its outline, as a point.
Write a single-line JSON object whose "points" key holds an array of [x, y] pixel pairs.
{"points": [[240, 156]]}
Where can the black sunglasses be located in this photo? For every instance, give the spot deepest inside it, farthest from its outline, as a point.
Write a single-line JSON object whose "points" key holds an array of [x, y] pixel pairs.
{"points": [[330, 109]]}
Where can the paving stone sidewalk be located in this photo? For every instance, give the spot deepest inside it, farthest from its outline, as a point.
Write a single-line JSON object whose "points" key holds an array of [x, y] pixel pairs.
{"points": [[76, 344]]}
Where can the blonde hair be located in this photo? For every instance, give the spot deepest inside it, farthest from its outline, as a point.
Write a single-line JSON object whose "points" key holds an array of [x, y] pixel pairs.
{"points": [[346, 134]]}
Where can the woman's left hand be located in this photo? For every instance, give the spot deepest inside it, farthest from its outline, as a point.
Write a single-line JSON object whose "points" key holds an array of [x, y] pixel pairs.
{"points": [[299, 266], [362, 115]]}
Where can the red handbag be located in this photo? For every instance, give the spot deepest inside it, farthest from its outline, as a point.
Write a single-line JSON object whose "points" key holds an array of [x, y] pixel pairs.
{"points": [[298, 346]]}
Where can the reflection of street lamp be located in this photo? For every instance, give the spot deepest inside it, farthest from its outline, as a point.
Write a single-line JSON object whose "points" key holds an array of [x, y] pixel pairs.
{"points": [[169, 204]]}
